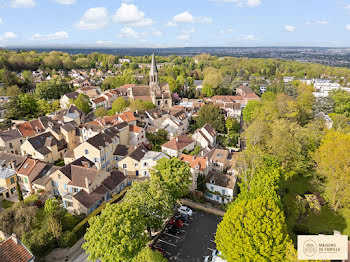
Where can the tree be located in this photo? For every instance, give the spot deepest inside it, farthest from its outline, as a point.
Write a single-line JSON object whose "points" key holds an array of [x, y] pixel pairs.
{"points": [[101, 112], [13, 91], [253, 230], [83, 103], [148, 255], [19, 192], [174, 174], [212, 77], [115, 235], [139, 105], [119, 105], [332, 159], [250, 110], [153, 202], [23, 105], [52, 89], [212, 115], [207, 91], [341, 100]]}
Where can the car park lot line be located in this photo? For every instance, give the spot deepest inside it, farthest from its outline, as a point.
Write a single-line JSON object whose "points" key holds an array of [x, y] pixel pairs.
{"points": [[210, 249], [165, 233], [167, 243]]}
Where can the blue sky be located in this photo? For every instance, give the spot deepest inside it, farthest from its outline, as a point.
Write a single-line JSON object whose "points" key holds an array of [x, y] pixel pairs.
{"points": [[172, 23]]}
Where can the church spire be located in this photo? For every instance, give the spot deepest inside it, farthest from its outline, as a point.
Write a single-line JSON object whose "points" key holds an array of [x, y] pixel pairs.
{"points": [[153, 73]]}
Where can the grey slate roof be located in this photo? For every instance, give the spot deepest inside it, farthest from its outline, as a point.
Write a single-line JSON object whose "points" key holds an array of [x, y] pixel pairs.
{"points": [[10, 135]]}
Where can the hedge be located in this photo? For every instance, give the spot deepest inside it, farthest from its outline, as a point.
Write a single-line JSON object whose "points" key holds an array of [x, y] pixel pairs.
{"points": [[80, 229]]}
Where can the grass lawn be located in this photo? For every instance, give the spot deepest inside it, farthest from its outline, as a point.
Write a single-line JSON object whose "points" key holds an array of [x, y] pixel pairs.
{"points": [[6, 203], [31, 198], [324, 222]]}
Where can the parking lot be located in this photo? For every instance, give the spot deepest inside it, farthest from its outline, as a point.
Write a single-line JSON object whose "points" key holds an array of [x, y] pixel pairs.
{"points": [[194, 241]]}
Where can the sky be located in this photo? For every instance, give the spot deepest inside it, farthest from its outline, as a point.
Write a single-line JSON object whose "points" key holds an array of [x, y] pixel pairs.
{"points": [[174, 23]]}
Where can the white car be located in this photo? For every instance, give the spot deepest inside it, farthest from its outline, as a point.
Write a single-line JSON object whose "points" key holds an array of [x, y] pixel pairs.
{"points": [[216, 253], [213, 259], [185, 210]]}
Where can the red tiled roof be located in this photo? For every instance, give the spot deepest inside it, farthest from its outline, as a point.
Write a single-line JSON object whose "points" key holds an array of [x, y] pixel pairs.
{"points": [[126, 86], [26, 129], [178, 143], [99, 100], [127, 116], [135, 129], [194, 162], [12, 252]]}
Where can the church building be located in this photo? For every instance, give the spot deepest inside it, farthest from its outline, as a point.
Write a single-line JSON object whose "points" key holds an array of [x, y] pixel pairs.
{"points": [[158, 94]]}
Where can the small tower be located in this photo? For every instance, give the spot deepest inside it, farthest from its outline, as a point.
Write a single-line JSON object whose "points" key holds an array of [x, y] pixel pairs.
{"points": [[153, 73]]}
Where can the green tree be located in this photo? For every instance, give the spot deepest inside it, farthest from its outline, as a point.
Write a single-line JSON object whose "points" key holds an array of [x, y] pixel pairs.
{"points": [[118, 234], [148, 255], [52, 89], [19, 192], [13, 91], [250, 110], [139, 105], [153, 202], [101, 112], [212, 115], [207, 91], [83, 103], [212, 77], [174, 174], [341, 100], [332, 159], [253, 230], [119, 105]]}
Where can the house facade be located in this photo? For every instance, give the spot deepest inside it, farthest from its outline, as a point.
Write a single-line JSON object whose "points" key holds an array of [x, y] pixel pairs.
{"points": [[176, 145]]}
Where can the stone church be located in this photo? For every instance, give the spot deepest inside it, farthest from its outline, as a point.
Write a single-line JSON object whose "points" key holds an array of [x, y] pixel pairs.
{"points": [[159, 94]]}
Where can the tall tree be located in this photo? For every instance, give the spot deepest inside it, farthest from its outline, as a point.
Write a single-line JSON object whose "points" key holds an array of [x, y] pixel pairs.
{"points": [[148, 255], [253, 230], [118, 234], [83, 103], [212, 115], [19, 192]]}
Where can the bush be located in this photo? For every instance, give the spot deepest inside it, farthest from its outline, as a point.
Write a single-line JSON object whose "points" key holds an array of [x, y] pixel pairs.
{"points": [[39, 241], [68, 239]]}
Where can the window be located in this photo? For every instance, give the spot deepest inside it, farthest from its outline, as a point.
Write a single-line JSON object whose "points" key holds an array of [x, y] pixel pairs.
{"points": [[95, 160], [217, 198], [26, 180], [65, 186], [12, 180], [137, 173], [144, 163], [10, 144], [158, 102], [211, 188], [86, 152], [223, 191], [68, 204], [136, 164], [124, 165]]}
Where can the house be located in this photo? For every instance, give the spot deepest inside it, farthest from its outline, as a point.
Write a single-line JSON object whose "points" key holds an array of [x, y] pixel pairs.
{"points": [[44, 147], [327, 120], [66, 99], [127, 117], [124, 60], [83, 188], [69, 115], [205, 137], [131, 164], [121, 152], [11, 140], [33, 175], [233, 110], [149, 160], [13, 250], [99, 102], [176, 145], [155, 117], [218, 158], [100, 148], [137, 135], [247, 93], [221, 187], [288, 79], [30, 128], [10, 160], [198, 84], [176, 123], [90, 91], [198, 165], [8, 180]]}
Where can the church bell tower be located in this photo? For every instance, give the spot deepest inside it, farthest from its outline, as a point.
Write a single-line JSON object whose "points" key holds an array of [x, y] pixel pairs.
{"points": [[153, 73]]}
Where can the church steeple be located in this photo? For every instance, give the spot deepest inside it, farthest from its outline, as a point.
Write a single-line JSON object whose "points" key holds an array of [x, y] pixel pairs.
{"points": [[153, 73]]}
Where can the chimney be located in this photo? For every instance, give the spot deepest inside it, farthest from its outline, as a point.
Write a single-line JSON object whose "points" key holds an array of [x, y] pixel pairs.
{"points": [[87, 182], [15, 239], [12, 163], [177, 139]]}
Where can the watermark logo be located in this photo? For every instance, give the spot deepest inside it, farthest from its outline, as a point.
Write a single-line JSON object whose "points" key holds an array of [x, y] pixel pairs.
{"points": [[322, 247]]}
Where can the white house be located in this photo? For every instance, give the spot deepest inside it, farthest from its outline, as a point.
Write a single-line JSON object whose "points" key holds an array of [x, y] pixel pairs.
{"points": [[221, 187], [205, 137], [149, 161], [176, 145], [137, 135], [65, 99], [99, 102]]}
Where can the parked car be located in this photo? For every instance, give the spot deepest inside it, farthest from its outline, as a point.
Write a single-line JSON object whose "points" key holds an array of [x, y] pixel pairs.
{"points": [[173, 230], [216, 253], [208, 259], [185, 210], [182, 217], [176, 222], [158, 249]]}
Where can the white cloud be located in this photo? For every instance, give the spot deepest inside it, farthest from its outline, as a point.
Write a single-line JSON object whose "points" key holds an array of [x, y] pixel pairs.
{"points": [[289, 28], [49, 37], [65, 2], [227, 31], [187, 18], [347, 27], [22, 3], [171, 24], [248, 38], [347, 7], [157, 32], [93, 19], [128, 32], [186, 34], [0, 21], [129, 14], [104, 42], [7, 36], [317, 22], [241, 3]]}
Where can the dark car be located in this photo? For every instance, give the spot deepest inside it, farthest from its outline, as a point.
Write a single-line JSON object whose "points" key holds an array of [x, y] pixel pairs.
{"points": [[183, 218], [173, 230], [176, 222], [158, 249]]}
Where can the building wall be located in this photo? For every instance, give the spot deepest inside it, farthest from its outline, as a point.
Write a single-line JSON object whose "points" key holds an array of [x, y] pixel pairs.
{"points": [[124, 136], [10, 184], [13, 145], [229, 193], [132, 166]]}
